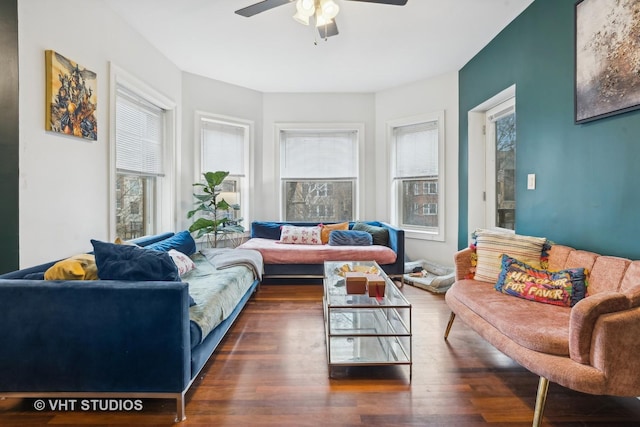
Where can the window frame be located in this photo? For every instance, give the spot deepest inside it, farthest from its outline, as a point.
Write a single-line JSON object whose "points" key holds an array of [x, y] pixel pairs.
{"points": [[358, 184], [167, 191], [396, 184], [476, 179], [245, 184]]}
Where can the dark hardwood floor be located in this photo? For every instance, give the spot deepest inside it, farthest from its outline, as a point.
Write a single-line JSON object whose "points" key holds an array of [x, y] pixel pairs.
{"points": [[271, 370]]}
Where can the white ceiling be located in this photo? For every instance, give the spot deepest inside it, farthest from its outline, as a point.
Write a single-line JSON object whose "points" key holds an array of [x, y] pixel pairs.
{"points": [[379, 46]]}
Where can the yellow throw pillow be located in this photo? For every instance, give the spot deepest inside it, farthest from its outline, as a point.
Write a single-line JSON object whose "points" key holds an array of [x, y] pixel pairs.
{"points": [[328, 228], [78, 267]]}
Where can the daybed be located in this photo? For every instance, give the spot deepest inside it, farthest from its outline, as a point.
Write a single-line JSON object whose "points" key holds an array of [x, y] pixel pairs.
{"points": [[126, 339], [591, 347], [282, 260]]}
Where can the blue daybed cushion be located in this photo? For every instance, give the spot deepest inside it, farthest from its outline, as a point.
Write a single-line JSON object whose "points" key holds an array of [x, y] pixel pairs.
{"points": [[350, 238], [127, 262], [181, 241]]}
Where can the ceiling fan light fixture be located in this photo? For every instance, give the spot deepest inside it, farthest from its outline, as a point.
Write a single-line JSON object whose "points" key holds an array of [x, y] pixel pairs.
{"points": [[329, 9], [306, 7], [321, 20], [304, 10], [326, 10], [303, 19]]}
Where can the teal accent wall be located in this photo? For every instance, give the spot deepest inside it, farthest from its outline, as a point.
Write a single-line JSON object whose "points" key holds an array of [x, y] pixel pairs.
{"points": [[9, 142], [588, 175]]}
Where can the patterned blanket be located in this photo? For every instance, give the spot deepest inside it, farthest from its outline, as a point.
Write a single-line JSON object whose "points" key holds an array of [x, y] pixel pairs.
{"points": [[215, 291]]}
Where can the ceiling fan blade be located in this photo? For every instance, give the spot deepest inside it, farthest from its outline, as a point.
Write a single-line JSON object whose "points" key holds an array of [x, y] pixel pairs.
{"points": [[260, 7], [391, 2], [329, 30]]}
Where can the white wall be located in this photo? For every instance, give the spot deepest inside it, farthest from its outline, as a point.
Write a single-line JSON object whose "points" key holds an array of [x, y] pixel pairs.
{"points": [[313, 108], [201, 94], [431, 95], [64, 181]]}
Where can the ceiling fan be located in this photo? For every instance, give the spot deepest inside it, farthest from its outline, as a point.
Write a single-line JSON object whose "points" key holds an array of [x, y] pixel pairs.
{"points": [[321, 12]]}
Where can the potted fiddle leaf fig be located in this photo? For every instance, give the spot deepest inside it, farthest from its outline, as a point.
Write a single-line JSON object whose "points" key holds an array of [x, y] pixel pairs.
{"points": [[213, 209]]}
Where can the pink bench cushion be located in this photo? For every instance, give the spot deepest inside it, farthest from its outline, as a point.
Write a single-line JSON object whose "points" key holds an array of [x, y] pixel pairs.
{"points": [[274, 252]]}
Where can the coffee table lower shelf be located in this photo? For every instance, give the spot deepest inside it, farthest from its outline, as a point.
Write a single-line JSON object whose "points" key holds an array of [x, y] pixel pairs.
{"points": [[367, 350]]}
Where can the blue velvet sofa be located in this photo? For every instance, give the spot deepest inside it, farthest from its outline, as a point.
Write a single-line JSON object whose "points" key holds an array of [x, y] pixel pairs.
{"points": [[102, 338], [315, 270]]}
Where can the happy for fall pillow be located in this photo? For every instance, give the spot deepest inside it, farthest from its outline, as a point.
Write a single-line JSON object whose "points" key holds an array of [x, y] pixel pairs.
{"points": [[564, 288]]}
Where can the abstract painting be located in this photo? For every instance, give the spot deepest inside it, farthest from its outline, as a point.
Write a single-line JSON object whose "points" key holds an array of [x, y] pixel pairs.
{"points": [[71, 97], [607, 61]]}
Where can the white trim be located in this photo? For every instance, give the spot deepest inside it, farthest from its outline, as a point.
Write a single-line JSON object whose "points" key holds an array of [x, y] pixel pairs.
{"points": [[417, 233], [476, 154], [166, 215], [360, 143]]}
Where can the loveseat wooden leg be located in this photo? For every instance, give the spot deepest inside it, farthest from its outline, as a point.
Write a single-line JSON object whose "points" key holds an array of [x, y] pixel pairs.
{"points": [[541, 399], [451, 319]]}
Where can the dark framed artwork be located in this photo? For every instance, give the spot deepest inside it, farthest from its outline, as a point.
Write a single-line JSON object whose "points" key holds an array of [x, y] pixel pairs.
{"points": [[607, 58], [71, 97]]}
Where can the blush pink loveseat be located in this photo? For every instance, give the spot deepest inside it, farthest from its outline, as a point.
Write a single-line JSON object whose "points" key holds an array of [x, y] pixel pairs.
{"points": [[592, 347]]}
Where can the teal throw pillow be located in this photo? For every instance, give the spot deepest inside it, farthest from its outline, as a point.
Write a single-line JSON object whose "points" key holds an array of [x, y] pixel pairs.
{"points": [[380, 235]]}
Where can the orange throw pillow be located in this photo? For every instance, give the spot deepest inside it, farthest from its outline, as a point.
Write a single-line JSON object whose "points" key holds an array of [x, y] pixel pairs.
{"points": [[328, 228]]}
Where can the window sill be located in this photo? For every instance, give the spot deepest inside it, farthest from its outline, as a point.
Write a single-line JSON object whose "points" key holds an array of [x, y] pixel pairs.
{"points": [[423, 235]]}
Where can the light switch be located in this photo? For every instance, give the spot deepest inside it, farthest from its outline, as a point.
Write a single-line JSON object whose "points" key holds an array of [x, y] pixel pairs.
{"points": [[531, 181]]}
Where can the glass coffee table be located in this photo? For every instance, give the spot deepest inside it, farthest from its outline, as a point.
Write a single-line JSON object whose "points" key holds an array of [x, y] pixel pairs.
{"points": [[362, 330]]}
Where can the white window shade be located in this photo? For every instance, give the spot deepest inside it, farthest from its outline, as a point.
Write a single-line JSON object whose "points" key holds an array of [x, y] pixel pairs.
{"points": [[318, 155], [223, 148], [416, 150], [139, 135]]}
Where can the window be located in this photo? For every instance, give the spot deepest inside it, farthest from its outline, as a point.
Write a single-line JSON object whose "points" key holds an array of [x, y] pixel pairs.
{"points": [[418, 174], [501, 165], [324, 190], [324, 211], [430, 209], [319, 174], [139, 133], [430, 188], [225, 146], [142, 198]]}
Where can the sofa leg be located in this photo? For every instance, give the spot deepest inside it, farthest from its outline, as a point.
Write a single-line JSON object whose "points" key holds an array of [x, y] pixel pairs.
{"points": [[180, 409], [451, 319], [541, 399]]}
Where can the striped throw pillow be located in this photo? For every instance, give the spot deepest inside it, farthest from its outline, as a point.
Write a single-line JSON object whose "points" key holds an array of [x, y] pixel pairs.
{"points": [[491, 245]]}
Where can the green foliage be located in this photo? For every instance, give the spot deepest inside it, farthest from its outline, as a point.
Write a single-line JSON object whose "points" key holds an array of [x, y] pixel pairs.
{"points": [[210, 208]]}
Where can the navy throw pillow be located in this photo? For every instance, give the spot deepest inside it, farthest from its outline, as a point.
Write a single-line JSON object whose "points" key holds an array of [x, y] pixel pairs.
{"points": [[125, 262], [181, 241], [350, 238], [266, 229]]}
